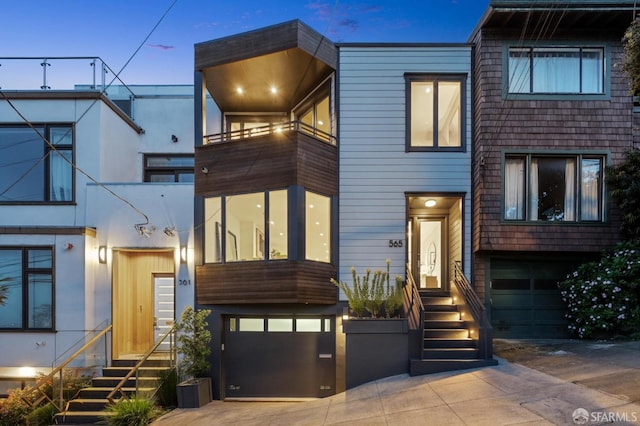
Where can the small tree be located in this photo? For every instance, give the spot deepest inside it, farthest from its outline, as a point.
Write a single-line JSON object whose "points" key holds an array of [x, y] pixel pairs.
{"points": [[624, 184], [631, 63], [194, 340]]}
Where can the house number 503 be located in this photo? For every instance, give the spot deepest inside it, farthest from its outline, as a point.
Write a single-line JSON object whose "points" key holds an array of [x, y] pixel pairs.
{"points": [[395, 243]]}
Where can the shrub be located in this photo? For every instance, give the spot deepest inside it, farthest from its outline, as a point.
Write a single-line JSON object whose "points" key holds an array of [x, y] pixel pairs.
{"points": [[375, 295], [42, 416], [602, 297], [14, 410], [131, 412], [193, 342]]}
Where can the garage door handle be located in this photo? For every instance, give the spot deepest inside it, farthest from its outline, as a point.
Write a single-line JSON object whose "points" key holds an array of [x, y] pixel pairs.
{"points": [[325, 356]]}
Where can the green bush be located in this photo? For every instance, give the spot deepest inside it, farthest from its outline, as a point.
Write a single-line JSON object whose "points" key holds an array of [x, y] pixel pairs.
{"points": [[603, 297], [168, 392], [13, 410], [193, 342], [42, 416], [373, 295], [131, 412]]}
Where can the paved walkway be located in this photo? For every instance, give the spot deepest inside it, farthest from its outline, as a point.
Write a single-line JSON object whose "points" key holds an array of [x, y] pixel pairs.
{"points": [[506, 394]]}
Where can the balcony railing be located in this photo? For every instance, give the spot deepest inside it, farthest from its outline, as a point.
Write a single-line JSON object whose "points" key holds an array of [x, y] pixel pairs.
{"points": [[270, 129], [56, 73]]}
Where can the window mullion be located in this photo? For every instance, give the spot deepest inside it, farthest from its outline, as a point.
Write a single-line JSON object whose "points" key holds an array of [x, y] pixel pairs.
{"points": [[435, 113]]}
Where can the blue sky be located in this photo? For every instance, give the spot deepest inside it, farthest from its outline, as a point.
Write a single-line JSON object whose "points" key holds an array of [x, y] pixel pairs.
{"points": [[114, 29]]}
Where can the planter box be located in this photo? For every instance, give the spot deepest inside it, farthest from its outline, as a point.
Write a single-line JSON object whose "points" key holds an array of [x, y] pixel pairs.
{"points": [[375, 348], [194, 393]]}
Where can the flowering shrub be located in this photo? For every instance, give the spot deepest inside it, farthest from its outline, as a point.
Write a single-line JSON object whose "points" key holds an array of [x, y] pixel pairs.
{"points": [[603, 297], [14, 410]]}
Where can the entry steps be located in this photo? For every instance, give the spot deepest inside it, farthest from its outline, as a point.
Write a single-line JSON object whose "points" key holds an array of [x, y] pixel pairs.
{"points": [[88, 406], [447, 342]]}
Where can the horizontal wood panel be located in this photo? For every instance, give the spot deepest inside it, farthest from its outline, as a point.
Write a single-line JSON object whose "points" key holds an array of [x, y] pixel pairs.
{"points": [[267, 162], [265, 282]]}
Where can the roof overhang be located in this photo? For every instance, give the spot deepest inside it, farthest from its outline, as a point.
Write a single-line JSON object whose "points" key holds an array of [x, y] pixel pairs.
{"points": [[591, 15], [290, 58]]}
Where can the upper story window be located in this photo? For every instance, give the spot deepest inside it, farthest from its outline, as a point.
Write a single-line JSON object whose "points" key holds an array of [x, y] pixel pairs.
{"points": [[168, 168], [36, 164], [315, 115], [435, 112], [26, 275], [246, 126], [556, 70], [565, 188]]}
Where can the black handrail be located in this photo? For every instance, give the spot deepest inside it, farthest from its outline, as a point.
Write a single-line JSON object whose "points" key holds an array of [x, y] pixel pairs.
{"points": [[472, 304], [269, 129], [414, 310]]}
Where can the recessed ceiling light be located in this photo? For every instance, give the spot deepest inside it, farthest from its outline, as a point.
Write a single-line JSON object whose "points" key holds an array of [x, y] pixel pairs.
{"points": [[239, 90], [430, 203], [274, 90], [320, 122], [259, 206], [310, 206]]}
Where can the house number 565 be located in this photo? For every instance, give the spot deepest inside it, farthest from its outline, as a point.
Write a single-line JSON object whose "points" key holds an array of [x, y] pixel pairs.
{"points": [[395, 243]]}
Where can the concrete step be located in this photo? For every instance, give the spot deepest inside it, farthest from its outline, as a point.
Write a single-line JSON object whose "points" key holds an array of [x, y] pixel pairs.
{"points": [[438, 343], [428, 324], [450, 353], [80, 418], [442, 316], [446, 333], [101, 393], [419, 367]]}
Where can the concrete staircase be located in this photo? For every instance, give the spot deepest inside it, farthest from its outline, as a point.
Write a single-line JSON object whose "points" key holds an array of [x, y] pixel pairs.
{"points": [[88, 407], [448, 342]]}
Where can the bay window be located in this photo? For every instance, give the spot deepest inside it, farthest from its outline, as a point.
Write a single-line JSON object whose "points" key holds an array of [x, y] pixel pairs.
{"points": [[553, 188], [26, 286], [32, 170], [317, 227]]}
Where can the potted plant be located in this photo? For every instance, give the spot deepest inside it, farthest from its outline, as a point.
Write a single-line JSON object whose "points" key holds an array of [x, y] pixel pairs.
{"points": [[193, 346], [376, 337]]}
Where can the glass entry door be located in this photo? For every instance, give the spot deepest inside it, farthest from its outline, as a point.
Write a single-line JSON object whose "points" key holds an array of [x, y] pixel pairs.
{"points": [[430, 258]]}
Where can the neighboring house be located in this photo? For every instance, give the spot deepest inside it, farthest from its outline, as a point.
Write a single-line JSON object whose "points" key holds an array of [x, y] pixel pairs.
{"points": [[327, 157], [96, 201], [552, 111]]}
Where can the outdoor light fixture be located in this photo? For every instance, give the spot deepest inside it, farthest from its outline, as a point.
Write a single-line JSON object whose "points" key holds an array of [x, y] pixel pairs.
{"points": [[430, 203], [205, 170], [102, 254], [183, 254], [345, 313]]}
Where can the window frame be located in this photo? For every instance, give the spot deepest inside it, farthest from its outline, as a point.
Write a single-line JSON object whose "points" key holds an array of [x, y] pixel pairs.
{"points": [[518, 44], [527, 156], [411, 78], [167, 171], [26, 272], [310, 106], [46, 160]]}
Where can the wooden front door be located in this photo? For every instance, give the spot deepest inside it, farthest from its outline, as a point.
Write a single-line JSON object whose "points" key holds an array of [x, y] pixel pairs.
{"points": [[133, 299]]}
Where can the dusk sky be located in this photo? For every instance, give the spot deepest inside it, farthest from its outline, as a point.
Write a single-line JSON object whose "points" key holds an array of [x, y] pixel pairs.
{"points": [[114, 29]]}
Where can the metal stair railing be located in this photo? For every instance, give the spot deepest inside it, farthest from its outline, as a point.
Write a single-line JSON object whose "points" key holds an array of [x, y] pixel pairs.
{"points": [[413, 308], [470, 305], [170, 333], [48, 379]]}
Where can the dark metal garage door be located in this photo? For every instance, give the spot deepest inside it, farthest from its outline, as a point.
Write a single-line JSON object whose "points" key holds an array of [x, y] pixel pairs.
{"points": [[279, 357], [525, 299]]}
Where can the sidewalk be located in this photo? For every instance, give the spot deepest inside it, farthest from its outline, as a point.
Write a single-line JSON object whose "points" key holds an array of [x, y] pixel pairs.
{"points": [[506, 394]]}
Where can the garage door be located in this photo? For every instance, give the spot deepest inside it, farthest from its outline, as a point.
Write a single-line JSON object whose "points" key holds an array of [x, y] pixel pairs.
{"points": [[525, 299], [279, 357]]}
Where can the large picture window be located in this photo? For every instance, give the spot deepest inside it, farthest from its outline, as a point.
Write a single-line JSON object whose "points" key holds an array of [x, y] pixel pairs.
{"points": [[435, 114], [32, 170], [553, 188], [26, 285], [564, 70]]}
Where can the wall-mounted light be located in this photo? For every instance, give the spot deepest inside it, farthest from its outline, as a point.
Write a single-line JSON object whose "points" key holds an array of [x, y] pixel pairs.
{"points": [[174, 139], [183, 254], [345, 313], [102, 254], [205, 170]]}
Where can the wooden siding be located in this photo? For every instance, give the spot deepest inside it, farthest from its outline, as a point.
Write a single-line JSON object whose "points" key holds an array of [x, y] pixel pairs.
{"points": [[502, 125], [266, 282], [266, 162], [375, 170]]}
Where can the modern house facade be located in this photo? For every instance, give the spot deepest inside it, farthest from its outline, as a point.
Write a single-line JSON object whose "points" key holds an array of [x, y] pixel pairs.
{"points": [[552, 111], [96, 206]]}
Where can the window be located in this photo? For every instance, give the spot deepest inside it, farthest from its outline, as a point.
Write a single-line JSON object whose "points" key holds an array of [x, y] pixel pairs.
{"points": [[316, 118], [243, 232], [26, 282], [318, 227], [566, 70], [435, 118], [32, 170], [553, 188], [168, 168], [246, 126]]}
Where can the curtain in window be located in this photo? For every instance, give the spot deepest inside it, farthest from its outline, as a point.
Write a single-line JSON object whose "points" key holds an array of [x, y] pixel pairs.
{"points": [[556, 70], [592, 72], [590, 189], [60, 178], [570, 190], [533, 190], [519, 73], [514, 189]]}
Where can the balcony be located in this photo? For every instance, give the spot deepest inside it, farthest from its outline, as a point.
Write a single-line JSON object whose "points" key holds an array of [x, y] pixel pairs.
{"points": [[271, 129]]}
